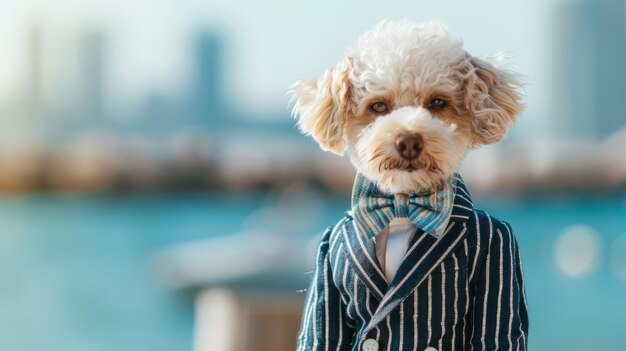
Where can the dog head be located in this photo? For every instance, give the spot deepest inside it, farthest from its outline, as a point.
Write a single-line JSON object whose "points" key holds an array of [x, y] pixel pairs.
{"points": [[408, 103]]}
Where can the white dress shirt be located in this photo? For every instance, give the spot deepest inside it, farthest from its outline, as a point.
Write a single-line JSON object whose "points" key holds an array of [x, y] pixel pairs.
{"points": [[392, 243]]}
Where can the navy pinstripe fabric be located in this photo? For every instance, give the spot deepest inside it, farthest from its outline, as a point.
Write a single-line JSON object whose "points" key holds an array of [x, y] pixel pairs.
{"points": [[461, 291]]}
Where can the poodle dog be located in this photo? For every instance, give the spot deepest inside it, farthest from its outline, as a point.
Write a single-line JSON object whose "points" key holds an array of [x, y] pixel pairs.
{"points": [[407, 103]]}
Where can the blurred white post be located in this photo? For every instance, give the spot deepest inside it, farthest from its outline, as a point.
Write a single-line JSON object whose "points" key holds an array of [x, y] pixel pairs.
{"points": [[216, 320], [233, 321]]}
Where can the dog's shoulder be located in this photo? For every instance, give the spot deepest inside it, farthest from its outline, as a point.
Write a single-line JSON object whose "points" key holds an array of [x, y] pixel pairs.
{"points": [[332, 233], [330, 241], [489, 230], [345, 223]]}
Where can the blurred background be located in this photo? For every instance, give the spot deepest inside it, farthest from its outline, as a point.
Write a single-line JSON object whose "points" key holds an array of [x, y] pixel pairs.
{"points": [[155, 194]]}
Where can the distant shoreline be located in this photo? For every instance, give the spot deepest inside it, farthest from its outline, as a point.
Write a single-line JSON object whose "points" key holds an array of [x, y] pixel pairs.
{"points": [[264, 162]]}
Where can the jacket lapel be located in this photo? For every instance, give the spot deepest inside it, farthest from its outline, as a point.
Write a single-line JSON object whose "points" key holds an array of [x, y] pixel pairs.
{"points": [[361, 252], [424, 254]]}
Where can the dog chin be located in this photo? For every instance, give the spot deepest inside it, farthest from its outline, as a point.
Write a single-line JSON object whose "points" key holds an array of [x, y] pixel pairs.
{"points": [[408, 181]]}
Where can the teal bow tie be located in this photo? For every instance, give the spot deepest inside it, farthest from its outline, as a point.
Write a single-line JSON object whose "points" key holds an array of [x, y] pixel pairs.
{"points": [[373, 209]]}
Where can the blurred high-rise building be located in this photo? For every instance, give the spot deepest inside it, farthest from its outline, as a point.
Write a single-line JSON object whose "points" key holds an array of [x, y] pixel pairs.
{"points": [[207, 106], [590, 52], [92, 61], [32, 103]]}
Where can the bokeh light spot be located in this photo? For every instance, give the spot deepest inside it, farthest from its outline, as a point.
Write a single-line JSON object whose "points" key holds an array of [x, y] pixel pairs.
{"points": [[578, 251]]}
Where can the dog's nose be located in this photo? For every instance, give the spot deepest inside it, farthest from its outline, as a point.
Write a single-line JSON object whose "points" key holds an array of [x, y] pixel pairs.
{"points": [[409, 146]]}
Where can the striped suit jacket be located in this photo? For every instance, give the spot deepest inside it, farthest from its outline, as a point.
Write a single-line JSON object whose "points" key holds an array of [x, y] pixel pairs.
{"points": [[462, 291]]}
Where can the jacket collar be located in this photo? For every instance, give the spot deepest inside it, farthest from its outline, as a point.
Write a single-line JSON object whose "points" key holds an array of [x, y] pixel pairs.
{"points": [[463, 208], [425, 253]]}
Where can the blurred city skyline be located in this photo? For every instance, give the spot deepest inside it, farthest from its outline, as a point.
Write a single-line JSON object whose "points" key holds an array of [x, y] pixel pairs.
{"points": [[204, 104], [75, 62], [155, 56], [188, 92]]}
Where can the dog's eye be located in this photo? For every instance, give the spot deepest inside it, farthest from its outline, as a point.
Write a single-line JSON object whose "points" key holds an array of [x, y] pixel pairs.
{"points": [[437, 104], [379, 107]]}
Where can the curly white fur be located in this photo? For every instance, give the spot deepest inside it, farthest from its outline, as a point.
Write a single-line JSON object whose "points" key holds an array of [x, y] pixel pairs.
{"points": [[407, 66], [402, 56]]}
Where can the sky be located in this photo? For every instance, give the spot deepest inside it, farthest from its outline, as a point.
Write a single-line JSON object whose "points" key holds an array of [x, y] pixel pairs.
{"points": [[269, 45]]}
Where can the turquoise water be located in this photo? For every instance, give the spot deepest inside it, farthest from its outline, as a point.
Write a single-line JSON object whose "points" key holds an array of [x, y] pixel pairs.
{"points": [[75, 271]]}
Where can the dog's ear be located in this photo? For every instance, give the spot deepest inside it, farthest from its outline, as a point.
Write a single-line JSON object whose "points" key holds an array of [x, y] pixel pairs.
{"points": [[492, 97], [322, 106]]}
